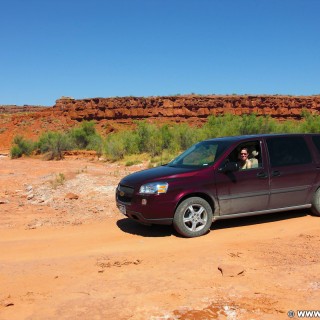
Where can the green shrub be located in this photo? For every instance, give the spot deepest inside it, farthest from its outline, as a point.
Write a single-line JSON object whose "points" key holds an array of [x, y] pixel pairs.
{"points": [[95, 143], [115, 147], [222, 125], [160, 143], [310, 123], [15, 152], [167, 136], [183, 137], [52, 144], [251, 124], [82, 136], [132, 163], [21, 146], [120, 144], [288, 126], [145, 133], [165, 157]]}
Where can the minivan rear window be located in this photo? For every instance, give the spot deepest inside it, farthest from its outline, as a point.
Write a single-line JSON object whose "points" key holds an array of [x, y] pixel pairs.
{"points": [[201, 154], [288, 151]]}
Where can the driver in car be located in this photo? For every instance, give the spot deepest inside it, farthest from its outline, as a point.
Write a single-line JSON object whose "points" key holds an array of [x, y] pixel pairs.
{"points": [[244, 162]]}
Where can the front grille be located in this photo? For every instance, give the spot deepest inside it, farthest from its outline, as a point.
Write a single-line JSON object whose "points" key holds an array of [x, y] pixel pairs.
{"points": [[124, 193]]}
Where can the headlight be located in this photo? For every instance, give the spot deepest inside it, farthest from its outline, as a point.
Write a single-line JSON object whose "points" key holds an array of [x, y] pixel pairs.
{"points": [[154, 188]]}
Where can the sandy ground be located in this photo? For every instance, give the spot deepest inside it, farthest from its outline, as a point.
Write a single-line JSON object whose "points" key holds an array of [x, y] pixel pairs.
{"points": [[66, 253]]}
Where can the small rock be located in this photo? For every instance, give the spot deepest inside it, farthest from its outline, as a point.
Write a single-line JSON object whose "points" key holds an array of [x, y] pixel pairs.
{"points": [[34, 225], [71, 196], [30, 196], [3, 201], [29, 188], [7, 302], [231, 270]]}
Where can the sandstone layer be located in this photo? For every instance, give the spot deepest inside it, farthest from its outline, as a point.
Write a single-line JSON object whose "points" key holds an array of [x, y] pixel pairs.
{"points": [[118, 113], [182, 108], [18, 109]]}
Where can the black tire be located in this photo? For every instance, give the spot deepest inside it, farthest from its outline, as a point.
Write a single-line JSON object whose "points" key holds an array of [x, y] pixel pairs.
{"points": [[315, 208], [193, 217]]}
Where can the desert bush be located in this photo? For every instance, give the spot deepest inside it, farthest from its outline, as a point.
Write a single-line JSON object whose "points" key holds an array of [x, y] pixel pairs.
{"points": [[183, 137], [288, 126], [15, 152], [122, 143], [232, 125], [222, 125], [165, 157], [310, 123], [167, 136], [86, 137], [147, 138], [252, 124], [161, 143], [53, 144], [155, 142], [151, 139], [114, 147], [95, 143], [21, 146], [58, 181], [132, 163], [82, 136]]}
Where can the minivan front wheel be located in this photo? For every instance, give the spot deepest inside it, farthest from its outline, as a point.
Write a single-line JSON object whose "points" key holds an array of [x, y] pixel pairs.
{"points": [[193, 217], [315, 208]]}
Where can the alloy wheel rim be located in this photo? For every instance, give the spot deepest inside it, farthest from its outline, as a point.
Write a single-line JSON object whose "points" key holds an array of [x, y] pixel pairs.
{"points": [[195, 217]]}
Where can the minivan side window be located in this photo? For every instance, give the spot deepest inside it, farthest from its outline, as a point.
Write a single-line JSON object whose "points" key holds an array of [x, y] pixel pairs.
{"points": [[316, 141], [252, 148], [288, 151]]}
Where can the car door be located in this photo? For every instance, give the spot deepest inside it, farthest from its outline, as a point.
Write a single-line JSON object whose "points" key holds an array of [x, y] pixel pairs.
{"points": [[292, 171], [314, 145], [244, 191]]}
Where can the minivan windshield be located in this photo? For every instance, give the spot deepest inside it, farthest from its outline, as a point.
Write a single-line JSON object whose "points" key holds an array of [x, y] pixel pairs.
{"points": [[202, 154]]}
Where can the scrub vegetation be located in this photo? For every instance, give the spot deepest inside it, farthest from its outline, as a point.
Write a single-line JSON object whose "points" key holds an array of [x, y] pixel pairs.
{"points": [[160, 143]]}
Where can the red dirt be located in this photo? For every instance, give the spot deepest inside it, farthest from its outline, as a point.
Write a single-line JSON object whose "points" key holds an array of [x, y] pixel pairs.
{"points": [[64, 257]]}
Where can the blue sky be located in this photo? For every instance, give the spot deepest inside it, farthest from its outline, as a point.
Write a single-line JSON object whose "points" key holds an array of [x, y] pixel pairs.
{"points": [[107, 48]]}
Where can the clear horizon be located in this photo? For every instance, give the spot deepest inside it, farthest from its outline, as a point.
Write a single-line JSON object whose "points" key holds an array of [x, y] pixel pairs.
{"points": [[143, 48]]}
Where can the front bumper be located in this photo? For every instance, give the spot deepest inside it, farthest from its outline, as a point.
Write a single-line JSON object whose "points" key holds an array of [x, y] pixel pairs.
{"points": [[138, 216]]}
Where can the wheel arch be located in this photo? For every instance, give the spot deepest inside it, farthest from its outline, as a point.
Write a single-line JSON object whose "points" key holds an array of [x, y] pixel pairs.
{"points": [[315, 202], [202, 195]]}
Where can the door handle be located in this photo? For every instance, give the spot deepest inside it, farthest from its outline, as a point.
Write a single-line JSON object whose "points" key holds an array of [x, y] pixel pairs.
{"points": [[276, 173], [262, 175]]}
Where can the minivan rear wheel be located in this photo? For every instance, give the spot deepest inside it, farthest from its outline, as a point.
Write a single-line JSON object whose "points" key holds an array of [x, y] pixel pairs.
{"points": [[315, 208], [193, 217]]}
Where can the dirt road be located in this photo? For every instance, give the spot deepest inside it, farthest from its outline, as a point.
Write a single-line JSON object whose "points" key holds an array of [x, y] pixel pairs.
{"points": [[66, 253]]}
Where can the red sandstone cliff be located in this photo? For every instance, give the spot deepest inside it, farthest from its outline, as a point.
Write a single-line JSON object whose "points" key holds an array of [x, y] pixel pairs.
{"points": [[117, 113], [18, 109], [181, 108]]}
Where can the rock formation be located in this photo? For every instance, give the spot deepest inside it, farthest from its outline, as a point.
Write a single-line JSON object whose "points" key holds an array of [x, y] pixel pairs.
{"points": [[182, 108], [120, 112]]}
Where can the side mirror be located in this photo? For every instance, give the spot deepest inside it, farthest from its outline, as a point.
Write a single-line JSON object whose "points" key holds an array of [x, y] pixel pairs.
{"points": [[229, 167]]}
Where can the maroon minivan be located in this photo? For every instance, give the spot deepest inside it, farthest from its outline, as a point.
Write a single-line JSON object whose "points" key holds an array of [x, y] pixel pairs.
{"points": [[226, 178]]}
